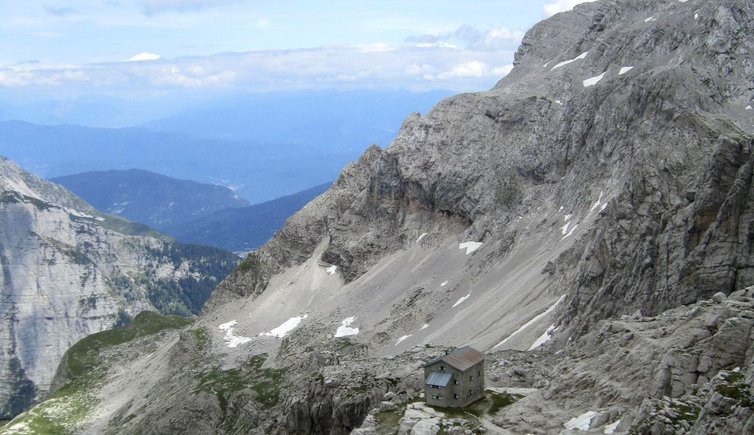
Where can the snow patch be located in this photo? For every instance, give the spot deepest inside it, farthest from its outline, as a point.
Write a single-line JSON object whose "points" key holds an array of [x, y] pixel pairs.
{"points": [[235, 340], [696, 16], [566, 62], [421, 237], [20, 187], [77, 213], [460, 301], [559, 102], [624, 70], [470, 246], [444, 283], [748, 107], [571, 231], [344, 330], [582, 422], [610, 428], [400, 340], [230, 337], [425, 326], [532, 321], [286, 327], [591, 81], [564, 230], [650, 19], [331, 270], [227, 326], [567, 217], [598, 203], [544, 338]]}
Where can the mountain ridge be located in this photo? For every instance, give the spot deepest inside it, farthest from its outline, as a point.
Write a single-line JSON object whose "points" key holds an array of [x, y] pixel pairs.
{"points": [[243, 229], [69, 270], [153, 199]]}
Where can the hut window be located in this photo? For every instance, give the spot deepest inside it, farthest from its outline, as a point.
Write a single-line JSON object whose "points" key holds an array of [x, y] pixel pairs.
{"points": [[442, 368], [455, 381], [455, 396]]}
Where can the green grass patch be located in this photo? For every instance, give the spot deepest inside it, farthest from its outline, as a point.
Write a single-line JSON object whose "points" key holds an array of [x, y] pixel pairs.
{"points": [[201, 338], [388, 421], [84, 368], [499, 401], [685, 412], [82, 359], [38, 424], [490, 404], [250, 263], [736, 388], [265, 384]]}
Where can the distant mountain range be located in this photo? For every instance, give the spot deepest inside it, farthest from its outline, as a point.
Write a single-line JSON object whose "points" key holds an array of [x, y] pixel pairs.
{"points": [[91, 110], [259, 172], [264, 146], [155, 200], [342, 121], [189, 211], [244, 228]]}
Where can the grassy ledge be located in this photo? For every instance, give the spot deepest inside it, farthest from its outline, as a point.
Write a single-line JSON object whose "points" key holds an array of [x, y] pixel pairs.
{"points": [[83, 367]]}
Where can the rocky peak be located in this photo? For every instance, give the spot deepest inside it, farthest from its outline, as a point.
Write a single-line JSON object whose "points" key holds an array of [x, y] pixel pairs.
{"points": [[69, 271], [628, 103]]}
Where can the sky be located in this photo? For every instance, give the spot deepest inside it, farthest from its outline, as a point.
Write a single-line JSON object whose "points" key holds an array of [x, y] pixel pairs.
{"points": [[130, 47]]}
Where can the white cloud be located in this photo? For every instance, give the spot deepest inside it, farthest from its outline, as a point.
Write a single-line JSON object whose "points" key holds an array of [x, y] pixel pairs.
{"points": [[338, 67], [469, 69], [376, 48], [502, 71], [151, 7], [144, 57], [473, 38], [263, 23], [475, 69], [59, 12], [562, 6]]}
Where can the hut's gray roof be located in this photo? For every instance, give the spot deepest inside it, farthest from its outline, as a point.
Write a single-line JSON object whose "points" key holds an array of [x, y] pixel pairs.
{"points": [[462, 358], [438, 379]]}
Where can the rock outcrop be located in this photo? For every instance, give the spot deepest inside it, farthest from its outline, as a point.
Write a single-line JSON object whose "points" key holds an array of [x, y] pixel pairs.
{"points": [[69, 271], [641, 121]]}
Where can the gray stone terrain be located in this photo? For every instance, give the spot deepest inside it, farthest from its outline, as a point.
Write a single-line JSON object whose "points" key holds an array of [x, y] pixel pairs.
{"points": [[586, 223], [69, 271]]}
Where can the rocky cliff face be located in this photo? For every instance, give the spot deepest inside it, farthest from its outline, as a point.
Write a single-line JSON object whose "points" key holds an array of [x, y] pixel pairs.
{"points": [[69, 271], [643, 109], [559, 221]]}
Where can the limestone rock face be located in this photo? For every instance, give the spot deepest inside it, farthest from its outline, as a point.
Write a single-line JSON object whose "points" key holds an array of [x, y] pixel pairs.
{"points": [[634, 125], [69, 271]]}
